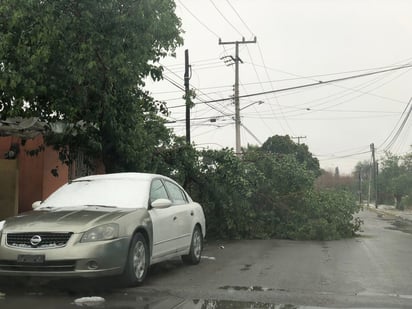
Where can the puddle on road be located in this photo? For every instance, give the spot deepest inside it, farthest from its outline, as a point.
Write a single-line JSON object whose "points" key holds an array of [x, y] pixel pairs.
{"points": [[227, 304], [133, 301], [246, 267], [47, 297], [245, 288]]}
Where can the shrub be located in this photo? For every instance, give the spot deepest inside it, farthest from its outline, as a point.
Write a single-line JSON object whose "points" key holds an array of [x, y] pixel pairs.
{"points": [[263, 196], [324, 215]]}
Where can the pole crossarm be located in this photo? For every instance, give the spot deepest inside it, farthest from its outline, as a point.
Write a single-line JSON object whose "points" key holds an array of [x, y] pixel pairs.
{"points": [[236, 42]]}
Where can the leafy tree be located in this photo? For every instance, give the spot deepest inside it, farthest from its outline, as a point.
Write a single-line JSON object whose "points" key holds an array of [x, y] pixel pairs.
{"points": [[395, 179], [328, 180], [179, 160], [337, 173], [225, 184], [262, 195], [362, 173], [280, 192], [282, 145], [84, 63], [326, 215]]}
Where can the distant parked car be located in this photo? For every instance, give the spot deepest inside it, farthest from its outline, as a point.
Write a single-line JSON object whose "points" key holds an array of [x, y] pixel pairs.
{"points": [[114, 224]]}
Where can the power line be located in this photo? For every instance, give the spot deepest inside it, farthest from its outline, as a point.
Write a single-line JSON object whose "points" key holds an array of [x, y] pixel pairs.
{"points": [[320, 83], [297, 77], [224, 17], [183, 89], [198, 20], [210, 118], [241, 19], [346, 93], [173, 83], [312, 77], [345, 156], [262, 88], [398, 132], [340, 118], [275, 97]]}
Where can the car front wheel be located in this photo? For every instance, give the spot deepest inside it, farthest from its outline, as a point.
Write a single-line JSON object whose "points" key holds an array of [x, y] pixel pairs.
{"points": [[137, 264], [196, 247]]}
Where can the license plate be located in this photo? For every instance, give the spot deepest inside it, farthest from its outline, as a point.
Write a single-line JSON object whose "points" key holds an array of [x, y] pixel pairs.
{"points": [[31, 259]]}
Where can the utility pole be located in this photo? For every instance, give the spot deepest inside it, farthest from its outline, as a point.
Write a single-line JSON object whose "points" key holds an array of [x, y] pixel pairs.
{"points": [[374, 169], [376, 185], [298, 138], [236, 97], [369, 184], [187, 95], [360, 185]]}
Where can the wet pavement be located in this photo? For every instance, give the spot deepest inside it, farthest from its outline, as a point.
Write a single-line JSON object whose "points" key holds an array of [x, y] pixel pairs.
{"points": [[389, 210], [51, 298], [369, 271]]}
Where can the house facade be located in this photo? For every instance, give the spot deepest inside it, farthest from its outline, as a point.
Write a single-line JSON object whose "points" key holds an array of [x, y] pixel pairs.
{"points": [[29, 170], [26, 178]]}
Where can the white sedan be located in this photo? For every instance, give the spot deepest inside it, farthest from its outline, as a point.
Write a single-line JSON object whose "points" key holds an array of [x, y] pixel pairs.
{"points": [[114, 224]]}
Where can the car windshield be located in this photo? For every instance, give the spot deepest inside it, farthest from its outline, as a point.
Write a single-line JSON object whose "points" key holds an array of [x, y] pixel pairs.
{"points": [[122, 193]]}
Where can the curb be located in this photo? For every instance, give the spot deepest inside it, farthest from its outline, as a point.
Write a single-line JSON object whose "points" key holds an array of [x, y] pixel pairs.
{"points": [[388, 213]]}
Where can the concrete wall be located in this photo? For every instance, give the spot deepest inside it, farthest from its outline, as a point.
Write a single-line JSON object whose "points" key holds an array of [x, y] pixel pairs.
{"points": [[8, 188]]}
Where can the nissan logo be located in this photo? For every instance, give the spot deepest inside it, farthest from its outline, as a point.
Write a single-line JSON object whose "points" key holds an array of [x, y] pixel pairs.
{"points": [[35, 240]]}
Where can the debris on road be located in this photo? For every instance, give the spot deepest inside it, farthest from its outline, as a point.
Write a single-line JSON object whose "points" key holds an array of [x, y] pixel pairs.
{"points": [[89, 301], [209, 258]]}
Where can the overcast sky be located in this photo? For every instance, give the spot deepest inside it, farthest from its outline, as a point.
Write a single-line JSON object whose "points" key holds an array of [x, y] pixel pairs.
{"points": [[298, 42]]}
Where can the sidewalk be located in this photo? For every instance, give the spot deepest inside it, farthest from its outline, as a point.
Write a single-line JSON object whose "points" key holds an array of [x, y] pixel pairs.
{"points": [[391, 211]]}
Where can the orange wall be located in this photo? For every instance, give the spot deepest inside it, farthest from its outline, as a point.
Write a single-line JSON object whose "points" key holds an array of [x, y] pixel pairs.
{"points": [[50, 182], [5, 142], [36, 181], [8, 188], [30, 175]]}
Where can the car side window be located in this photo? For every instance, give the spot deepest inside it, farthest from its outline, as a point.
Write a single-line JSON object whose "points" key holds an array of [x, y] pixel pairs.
{"points": [[157, 190], [177, 195]]}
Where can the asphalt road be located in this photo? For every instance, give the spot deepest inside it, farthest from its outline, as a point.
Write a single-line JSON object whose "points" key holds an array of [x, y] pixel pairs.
{"points": [[373, 270]]}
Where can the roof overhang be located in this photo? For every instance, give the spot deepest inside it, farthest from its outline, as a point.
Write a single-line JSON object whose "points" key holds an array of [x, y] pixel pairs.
{"points": [[26, 128]]}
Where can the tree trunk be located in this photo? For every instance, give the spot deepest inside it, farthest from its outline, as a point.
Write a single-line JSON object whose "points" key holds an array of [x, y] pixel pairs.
{"points": [[398, 199]]}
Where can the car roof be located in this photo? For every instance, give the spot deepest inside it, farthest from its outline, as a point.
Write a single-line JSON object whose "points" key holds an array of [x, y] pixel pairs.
{"points": [[121, 176]]}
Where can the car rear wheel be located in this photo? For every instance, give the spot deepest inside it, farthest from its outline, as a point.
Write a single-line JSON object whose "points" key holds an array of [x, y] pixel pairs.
{"points": [[196, 247], [137, 264]]}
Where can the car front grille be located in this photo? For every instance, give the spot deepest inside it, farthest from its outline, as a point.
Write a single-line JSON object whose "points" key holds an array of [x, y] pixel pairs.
{"points": [[47, 266], [39, 240]]}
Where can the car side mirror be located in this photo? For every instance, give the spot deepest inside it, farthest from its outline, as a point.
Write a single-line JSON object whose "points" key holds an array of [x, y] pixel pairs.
{"points": [[36, 204], [161, 203]]}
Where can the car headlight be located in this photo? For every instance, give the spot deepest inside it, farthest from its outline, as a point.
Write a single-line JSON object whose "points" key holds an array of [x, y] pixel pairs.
{"points": [[102, 232]]}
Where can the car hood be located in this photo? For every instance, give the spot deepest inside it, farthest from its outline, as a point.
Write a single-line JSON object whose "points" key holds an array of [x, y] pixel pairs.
{"points": [[76, 219]]}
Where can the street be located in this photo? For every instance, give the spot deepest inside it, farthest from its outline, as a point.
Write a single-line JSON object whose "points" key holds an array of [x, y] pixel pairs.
{"points": [[373, 270]]}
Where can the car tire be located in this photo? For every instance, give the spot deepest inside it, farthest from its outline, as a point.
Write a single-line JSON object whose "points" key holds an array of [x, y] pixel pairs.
{"points": [[137, 264], [196, 247]]}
